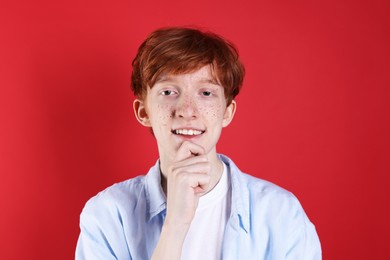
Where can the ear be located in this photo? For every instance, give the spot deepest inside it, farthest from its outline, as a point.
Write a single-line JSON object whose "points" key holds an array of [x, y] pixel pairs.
{"points": [[229, 113], [141, 113]]}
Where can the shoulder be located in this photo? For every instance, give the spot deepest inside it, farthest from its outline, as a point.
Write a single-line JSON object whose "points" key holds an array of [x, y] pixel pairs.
{"points": [[265, 193], [116, 197], [269, 211], [263, 188], [131, 198], [261, 195], [108, 218], [254, 185]]}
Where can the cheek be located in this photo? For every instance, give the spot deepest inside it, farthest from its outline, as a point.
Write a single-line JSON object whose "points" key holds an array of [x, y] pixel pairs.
{"points": [[213, 111], [164, 113]]}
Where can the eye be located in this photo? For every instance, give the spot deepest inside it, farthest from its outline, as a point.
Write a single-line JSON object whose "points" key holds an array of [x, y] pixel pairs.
{"points": [[167, 92], [206, 93]]}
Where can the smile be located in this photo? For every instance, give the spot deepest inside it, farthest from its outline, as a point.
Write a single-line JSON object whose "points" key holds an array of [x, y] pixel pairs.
{"points": [[187, 132]]}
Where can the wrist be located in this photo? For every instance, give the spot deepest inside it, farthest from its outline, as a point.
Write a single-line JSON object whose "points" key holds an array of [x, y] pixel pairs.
{"points": [[175, 229], [171, 241]]}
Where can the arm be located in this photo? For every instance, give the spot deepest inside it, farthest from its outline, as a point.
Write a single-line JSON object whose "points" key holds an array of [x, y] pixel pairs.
{"points": [[304, 242], [101, 232], [92, 244], [187, 178]]}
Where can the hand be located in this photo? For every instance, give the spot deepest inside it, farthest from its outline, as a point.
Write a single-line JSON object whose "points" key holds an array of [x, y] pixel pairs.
{"points": [[187, 179]]}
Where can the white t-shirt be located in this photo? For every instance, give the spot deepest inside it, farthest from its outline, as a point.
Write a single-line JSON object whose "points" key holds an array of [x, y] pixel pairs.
{"points": [[205, 236]]}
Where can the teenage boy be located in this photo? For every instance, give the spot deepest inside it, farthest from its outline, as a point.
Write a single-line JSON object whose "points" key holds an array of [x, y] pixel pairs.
{"points": [[194, 203]]}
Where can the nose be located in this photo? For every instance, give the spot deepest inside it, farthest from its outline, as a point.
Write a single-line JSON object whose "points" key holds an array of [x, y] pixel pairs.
{"points": [[186, 107]]}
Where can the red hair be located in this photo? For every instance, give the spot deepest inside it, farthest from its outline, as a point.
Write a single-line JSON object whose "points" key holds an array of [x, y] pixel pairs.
{"points": [[177, 50]]}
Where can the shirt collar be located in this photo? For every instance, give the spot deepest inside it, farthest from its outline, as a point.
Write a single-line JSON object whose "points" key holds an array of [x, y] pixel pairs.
{"points": [[240, 195], [155, 197]]}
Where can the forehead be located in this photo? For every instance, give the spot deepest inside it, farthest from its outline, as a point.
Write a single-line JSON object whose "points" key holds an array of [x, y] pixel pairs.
{"points": [[202, 75]]}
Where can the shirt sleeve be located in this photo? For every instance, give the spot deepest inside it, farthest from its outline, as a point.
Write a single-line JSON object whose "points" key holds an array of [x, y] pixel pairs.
{"points": [[102, 234], [92, 243], [304, 243]]}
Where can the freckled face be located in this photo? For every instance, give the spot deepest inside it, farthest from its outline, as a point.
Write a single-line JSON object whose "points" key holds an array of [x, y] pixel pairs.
{"points": [[187, 107]]}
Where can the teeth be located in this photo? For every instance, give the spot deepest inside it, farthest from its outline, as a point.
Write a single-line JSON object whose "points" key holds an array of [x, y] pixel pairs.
{"points": [[187, 132]]}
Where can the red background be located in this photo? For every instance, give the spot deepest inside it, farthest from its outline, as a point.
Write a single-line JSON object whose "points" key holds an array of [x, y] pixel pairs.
{"points": [[313, 115]]}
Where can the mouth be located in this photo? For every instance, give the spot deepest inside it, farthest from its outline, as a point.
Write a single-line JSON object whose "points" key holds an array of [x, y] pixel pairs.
{"points": [[187, 132]]}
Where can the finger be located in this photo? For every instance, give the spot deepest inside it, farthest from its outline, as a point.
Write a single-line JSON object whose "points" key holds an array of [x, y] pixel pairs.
{"points": [[203, 182], [187, 150], [197, 181], [198, 167], [191, 161]]}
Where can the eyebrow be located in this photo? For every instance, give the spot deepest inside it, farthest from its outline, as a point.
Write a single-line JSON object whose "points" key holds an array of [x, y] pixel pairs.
{"points": [[165, 78], [211, 81]]}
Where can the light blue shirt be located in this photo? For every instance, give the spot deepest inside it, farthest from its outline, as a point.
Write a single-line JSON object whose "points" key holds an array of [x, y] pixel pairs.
{"points": [[266, 222]]}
